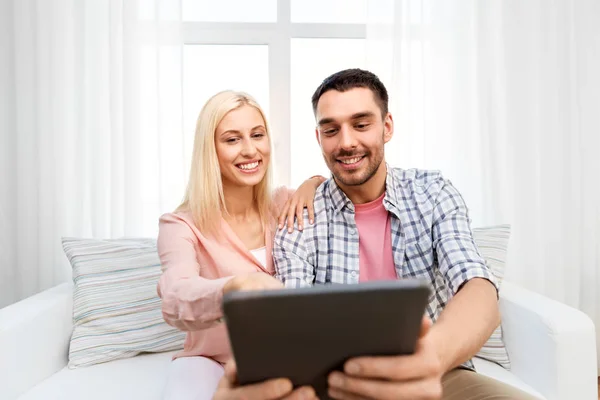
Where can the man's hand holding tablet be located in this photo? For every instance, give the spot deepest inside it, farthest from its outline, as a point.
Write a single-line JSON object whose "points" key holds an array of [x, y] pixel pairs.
{"points": [[308, 336]]}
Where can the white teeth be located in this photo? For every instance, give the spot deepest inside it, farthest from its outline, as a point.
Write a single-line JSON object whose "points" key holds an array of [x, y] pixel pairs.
{"points": [[248, 166], [351, 160]]}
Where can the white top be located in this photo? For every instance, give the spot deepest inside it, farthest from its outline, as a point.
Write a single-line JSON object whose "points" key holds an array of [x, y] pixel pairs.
{"points": [[261, 255]]}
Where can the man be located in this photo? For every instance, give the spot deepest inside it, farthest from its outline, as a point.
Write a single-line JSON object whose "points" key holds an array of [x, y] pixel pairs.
{"points": [[374, 222]]}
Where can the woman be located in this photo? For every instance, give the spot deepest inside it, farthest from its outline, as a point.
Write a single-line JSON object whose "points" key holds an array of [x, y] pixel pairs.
{"points": [[219, 239]]}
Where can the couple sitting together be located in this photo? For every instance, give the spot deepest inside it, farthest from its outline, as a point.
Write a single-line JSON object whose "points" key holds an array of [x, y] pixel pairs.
{"points": [[369, 221]]}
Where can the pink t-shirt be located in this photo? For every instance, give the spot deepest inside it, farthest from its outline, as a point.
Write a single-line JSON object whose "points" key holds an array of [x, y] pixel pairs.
{"points": [[376, 259]]}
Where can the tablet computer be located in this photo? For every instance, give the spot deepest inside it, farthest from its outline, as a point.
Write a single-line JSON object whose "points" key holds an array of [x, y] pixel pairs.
{"points": [[304, 334]]}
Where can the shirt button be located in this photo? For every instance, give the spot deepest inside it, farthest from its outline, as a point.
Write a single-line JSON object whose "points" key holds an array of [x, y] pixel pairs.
{"points": [[352, 231], [353, 274]]}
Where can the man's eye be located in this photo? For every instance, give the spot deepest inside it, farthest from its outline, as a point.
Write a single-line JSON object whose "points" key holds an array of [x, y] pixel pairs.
{"points": [[329, 131], [362, 126]]}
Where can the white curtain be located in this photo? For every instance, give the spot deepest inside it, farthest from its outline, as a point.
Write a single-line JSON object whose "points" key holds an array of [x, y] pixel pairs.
{"points": [[504, 98], [89, 144]]}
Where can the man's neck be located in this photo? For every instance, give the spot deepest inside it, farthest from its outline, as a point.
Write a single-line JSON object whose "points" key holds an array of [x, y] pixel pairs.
{"points": [[368, 191], [239, 201]]}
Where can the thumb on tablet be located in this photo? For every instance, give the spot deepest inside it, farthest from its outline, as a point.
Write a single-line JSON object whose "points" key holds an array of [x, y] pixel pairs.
{"points": [[231, 372]]}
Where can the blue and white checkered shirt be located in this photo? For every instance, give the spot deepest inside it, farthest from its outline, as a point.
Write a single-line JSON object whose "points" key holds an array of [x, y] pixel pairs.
{"points": [[431, 238]]}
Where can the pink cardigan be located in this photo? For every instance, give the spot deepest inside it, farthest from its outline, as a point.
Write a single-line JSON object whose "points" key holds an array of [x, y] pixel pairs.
{"points": [[195, 269]]}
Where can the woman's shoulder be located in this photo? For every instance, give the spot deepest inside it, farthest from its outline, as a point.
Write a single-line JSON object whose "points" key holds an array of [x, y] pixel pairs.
{"points": [[280, 195], [178, 223], [177, 216]]}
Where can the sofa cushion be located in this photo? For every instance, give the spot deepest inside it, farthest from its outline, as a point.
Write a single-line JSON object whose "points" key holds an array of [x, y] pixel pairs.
{"points": [[141, 377], [116, 310], [492, 243]]}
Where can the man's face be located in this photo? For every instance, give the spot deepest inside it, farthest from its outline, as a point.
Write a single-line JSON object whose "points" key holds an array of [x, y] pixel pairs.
{"points": [[352, 132]]}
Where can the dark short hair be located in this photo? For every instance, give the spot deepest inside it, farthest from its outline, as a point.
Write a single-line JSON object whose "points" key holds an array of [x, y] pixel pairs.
{"points": [[350, 79]]}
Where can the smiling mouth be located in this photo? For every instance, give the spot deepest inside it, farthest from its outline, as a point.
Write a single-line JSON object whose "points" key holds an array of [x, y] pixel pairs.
{"points": [[249, 166], [350, 161]]}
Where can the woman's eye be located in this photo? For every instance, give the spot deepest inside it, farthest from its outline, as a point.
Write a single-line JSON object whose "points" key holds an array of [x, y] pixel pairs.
{"points": [[231, 140], [258, 135]]}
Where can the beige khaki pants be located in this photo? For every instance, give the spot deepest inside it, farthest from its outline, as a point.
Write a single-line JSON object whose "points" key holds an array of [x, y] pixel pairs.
{"points": [[462, 384]]}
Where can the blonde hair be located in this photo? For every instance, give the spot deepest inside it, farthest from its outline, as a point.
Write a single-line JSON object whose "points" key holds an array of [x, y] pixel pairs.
{"points": [[204, 196]]}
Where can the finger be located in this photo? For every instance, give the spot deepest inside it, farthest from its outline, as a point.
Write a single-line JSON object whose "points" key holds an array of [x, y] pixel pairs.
{"points": [[341, 395], [401, 368], [268, 390], [425, 326], [283, 215], [302, 393], [418, 365], [300, 216], [380, 389], [311, 212], [231, 373], [290, 217]]}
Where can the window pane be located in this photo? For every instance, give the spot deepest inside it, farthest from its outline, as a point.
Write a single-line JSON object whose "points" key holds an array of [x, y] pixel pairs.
{"points": [[208, 69], [329, 11], [312, 61], [229, 10]]}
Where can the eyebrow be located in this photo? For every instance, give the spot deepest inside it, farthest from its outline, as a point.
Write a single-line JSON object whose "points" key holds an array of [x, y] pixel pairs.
{"points": [[359, 115], [236, 131]]}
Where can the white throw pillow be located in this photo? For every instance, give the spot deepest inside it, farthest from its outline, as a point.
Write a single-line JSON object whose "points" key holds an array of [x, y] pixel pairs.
{"points": [[116, 310], [493, 245]]}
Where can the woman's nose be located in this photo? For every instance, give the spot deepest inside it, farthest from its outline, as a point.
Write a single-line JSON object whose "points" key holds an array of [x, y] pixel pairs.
{"points": [[248, 148]]}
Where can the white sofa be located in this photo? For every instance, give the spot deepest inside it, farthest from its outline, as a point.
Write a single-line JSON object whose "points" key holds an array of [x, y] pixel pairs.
{"points": [[551, 346]]}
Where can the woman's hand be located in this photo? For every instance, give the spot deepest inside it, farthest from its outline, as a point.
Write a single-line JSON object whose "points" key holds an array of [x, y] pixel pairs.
{"points": [[252, 281], [294, 207]]}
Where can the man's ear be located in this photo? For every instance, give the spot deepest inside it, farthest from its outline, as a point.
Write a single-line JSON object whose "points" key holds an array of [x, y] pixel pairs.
{"points": [[388, 127]]}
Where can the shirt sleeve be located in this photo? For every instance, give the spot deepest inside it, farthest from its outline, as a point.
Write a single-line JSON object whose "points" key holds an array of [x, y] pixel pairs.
{"points": [[189, 301], [291, 259], [458, 257]]}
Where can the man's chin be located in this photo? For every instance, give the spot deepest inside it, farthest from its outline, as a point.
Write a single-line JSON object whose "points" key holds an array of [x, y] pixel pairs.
{"points": [[350, 178]]}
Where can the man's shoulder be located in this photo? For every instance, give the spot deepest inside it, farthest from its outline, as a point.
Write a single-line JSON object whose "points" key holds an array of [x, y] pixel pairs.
{"points": [[416, 182], [416, 177]]}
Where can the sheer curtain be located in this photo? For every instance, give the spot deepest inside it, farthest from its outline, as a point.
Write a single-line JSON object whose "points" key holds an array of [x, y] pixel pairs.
{"points": [[89, 144], [504, 98]]}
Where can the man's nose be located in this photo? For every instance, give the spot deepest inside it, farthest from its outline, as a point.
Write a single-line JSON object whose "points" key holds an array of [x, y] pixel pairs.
{"points": [[347, 138]]}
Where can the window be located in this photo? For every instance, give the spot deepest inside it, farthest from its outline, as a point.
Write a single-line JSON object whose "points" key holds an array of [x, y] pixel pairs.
{"points": [[311, 61], [271, 49], [229, 10], [329, 11], [208, 69]]}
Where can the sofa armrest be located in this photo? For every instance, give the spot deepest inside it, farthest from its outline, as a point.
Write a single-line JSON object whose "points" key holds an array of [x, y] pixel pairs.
{"points": [[552, 347], [34, 339]]}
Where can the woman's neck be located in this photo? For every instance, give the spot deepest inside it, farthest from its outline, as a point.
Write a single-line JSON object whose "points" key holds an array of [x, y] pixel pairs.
{"points": [[239, 201]]}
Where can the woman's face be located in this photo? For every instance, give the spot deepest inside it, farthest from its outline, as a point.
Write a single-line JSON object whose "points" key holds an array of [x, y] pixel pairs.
{"points": [[243, 147]]}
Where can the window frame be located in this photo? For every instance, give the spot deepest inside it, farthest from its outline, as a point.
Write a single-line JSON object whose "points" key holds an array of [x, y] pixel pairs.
{"points": [[278, 37]]}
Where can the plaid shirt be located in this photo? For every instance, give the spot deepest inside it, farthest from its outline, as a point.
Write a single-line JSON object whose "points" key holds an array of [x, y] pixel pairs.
{"points": [[431, 238]]}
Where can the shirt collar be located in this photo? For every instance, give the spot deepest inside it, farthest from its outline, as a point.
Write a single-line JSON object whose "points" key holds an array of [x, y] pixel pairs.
{"points": [[339, 199]]}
